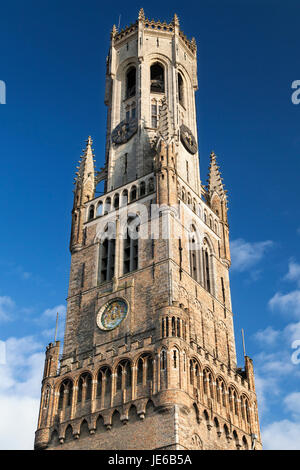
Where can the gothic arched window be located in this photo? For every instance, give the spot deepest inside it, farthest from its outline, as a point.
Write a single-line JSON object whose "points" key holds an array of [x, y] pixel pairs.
{"points": [[131, 245], [130, 82], [157, 78], [194, 261], [206, 266], [65, 394], [84, 388], [180, 89], [107, 254], [91, 212]]}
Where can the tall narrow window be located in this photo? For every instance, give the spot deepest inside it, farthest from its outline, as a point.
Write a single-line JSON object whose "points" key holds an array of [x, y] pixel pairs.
{"points": [[206, 268], [180, 89], [154, 118], [193, 255], [130, 82], [157, 78], [107, 254], [187, 172], [131, 245]]}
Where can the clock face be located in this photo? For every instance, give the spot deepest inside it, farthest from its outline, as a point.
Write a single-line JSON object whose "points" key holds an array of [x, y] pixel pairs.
{"points": [[188, 139], [112, 314], [124, 131]]}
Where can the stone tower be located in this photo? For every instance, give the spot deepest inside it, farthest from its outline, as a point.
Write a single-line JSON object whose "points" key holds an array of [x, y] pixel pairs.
{"points": [[149, 358]]}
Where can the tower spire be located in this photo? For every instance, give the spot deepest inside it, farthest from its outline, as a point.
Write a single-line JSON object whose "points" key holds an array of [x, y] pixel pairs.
{"points": [[86, 167], [215, 181]]}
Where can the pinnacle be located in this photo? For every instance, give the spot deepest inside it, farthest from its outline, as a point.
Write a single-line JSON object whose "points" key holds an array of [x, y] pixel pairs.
{"points": [[175, 19], [215, 181], [141, 14], [86, 162]]}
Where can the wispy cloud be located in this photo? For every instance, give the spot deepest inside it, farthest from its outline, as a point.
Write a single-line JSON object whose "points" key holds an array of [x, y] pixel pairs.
{"points": [[7, 306], [286, 303], [245, 254], [293, 273], [268, 336], [292, 404]]}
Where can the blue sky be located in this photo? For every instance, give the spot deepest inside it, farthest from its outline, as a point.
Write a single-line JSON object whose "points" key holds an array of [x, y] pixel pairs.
{"points": [[53, 63]]}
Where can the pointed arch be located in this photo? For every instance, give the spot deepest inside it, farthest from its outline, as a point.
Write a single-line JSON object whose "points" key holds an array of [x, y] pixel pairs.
{"points": [[131, 245], [107, 248], [69, 433], [157, 78]]}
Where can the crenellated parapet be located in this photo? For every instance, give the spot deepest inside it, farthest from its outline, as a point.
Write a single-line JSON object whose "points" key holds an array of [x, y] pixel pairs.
{"points": [[157, 26]]}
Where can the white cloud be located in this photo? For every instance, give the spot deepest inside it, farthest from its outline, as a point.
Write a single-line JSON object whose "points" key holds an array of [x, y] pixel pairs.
{"points": [[6, 308], [245, 255], [293, 273], [292, 403], [286, 303], [52, 312], [20, 385], [281, 435], [268, 336], [49, 318]]}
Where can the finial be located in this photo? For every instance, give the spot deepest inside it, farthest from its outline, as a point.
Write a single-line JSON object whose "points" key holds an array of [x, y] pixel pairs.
{"points": [[141, 14], [114, 31], [176, 20], [89, 141], [193, 41]]}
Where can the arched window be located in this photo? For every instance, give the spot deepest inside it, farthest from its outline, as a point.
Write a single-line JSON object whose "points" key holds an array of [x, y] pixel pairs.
{"points": [[163, 360], [104, 382], [107, 254], [133, 193], [142, 188], [180, 89], [145, 369], [194, 262], [173, 326], [91, 212], [107, 205], [178, 327], [84, 388], [175, 358], [100, 209], [124, 199], [194, 373], [65, 394], [116, 201], [206, 266], [130, 82], [131, 245], [140, 371], [157, 78], [123, 375], [245, 443]]}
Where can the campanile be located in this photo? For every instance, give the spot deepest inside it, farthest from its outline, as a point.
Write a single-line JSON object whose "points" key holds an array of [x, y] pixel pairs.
{"points": [[149, 359]]}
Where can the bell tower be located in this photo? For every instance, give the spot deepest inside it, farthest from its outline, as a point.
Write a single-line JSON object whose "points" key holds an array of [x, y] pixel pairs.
{"points": [[149, 358]]}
